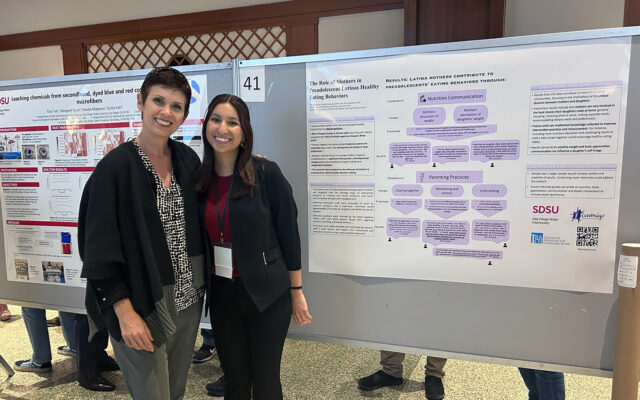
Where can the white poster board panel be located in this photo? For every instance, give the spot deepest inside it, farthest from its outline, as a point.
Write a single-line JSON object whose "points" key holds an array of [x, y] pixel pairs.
{"points": [[252, 84], [494, 166], [50, 141]]}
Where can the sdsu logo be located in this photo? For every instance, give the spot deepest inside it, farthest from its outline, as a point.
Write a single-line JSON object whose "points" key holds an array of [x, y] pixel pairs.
{"points": [[546, 209], [4, 101]]}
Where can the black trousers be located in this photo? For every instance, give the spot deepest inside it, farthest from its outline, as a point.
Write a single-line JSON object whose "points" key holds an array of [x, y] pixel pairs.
{"points": [[249, 342], [90, 354]]}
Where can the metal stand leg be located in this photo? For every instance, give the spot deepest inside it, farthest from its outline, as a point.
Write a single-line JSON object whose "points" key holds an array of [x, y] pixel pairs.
{"points": [[6, 366]]}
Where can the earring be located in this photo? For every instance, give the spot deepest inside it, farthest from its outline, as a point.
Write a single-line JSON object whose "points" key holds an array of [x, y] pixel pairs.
{"points": [[243, 144]]}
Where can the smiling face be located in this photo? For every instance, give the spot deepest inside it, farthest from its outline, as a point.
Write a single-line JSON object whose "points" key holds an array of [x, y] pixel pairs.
{"points": [[224, 132], [163, 111]]}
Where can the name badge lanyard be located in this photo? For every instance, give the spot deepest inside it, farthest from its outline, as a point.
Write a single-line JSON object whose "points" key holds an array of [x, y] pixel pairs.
{"points": [[221, 218]]}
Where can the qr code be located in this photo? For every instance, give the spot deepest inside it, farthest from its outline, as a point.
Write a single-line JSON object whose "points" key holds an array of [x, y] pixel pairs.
{"points": [[587, 236]]}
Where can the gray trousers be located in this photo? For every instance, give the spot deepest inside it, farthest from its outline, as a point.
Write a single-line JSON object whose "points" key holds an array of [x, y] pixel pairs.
{"points": [[161, 375], [392, 364]]}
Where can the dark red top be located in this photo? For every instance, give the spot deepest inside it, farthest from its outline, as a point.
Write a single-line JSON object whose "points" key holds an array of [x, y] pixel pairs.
{"points": [[220, 186]]}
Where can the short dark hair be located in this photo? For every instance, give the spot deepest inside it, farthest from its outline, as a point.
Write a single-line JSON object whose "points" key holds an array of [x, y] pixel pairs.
{"points": [[168, 77], [244, 162]]}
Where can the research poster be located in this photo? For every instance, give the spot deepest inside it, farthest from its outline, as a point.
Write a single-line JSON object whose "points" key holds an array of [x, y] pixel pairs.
{"points": [[51, 139], [493, 166]]}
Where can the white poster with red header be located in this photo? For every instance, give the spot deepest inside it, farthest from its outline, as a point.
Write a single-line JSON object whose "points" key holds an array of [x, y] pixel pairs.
{"points": [[50, 141]]}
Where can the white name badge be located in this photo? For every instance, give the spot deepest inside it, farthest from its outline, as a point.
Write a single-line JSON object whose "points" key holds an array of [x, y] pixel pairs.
{"points": [[223, 263]]}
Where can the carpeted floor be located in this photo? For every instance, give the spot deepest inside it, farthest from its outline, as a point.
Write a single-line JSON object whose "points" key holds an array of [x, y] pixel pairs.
{"points": [[310, 370]]}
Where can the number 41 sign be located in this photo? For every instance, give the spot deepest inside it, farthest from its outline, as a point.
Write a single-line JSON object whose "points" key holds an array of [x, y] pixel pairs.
{"points": [[252, 83]]}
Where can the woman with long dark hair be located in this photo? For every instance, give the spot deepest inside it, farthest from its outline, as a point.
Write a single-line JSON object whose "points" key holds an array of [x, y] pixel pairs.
{"points": [[251, 218]]}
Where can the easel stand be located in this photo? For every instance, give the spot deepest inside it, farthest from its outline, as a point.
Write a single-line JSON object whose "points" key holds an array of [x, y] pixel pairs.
{"points": [[626, 366], [6, 366]]}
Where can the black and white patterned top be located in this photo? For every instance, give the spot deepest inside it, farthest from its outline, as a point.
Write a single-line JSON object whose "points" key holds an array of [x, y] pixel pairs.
{"points": [[170, 205]]}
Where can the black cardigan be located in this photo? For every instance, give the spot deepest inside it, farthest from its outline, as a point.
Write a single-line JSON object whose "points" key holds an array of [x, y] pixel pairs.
{"points": [[121, 238], [264, 233]]}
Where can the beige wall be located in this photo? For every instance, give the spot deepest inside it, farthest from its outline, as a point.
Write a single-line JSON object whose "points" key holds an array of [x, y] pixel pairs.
{"points": [[33, 15], [528, 17], [31, 63], [522, 17], [342, 33], [363, 31]]}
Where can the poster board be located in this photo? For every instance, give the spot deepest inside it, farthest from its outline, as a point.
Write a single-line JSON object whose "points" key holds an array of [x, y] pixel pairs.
{"points": [[54, 131], [520, 326], [540, 328], [487, 166]]}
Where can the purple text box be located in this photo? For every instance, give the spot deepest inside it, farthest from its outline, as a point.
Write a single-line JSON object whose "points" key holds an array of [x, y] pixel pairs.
{"points": [[469, 253], [447, 190], [445, 154], [429, 116], [490, 230], [488, 150], [475, 114], [406, 206], [489, 190], [449, 176], [453, 97], [407, 190], [409, 153], [451, 133], [446, 208], [489, 208], [403, 227], [449, 232]]}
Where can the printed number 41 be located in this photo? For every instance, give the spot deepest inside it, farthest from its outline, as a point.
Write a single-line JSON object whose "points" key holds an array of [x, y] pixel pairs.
{"points": [[247, 83]]}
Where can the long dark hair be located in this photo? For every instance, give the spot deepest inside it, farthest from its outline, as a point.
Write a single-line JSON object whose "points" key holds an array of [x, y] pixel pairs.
{"points": [[244, 163]]}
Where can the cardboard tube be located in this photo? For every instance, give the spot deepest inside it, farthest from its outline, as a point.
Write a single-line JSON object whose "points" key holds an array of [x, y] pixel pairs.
{"points": [[626, 366]]}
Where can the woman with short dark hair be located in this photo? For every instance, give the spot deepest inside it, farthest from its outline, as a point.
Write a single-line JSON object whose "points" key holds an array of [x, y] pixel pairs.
{"points": [[143, 244]]}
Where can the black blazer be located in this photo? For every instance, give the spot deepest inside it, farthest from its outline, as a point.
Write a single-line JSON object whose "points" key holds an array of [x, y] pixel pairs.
{"points": [[264, 233]]}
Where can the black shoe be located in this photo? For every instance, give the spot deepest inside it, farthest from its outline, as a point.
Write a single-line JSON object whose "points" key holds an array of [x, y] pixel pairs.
{"points": [[216, 388], [378, 380], [108, 364], [204, 353], [97, 383], [53, 322], [433, 388]]}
